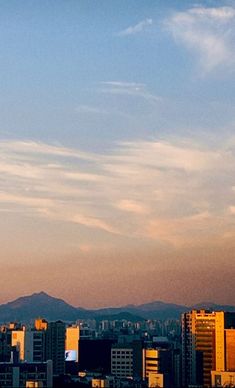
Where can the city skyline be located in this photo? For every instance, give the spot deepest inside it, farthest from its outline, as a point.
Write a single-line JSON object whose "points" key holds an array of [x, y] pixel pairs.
{"points": [[117, 151]]}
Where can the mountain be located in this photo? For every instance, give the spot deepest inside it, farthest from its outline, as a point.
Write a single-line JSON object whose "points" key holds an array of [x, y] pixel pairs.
{"points": [[153, 310], [40, 304]]}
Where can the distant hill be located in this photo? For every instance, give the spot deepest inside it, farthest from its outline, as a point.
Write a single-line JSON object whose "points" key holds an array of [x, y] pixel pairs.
{"points": [[153, 310], [40, 304]]}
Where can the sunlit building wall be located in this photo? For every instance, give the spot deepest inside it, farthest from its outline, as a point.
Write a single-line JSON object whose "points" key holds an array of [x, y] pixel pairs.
{"points": [[18, 340], [40, 324], [72, 340], [204, 345], [230, 349]]}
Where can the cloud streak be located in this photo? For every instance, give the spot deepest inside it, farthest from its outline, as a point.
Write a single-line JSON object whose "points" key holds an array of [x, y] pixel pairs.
{"points": [[137, 28], [165, 191], [133, 89]]}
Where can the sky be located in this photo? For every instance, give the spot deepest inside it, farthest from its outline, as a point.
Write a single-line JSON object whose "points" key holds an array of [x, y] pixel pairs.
{"points": [[117, 150]]}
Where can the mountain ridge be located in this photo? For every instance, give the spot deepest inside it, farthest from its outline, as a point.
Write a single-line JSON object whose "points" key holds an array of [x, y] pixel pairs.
{"points": [[29, 307]]}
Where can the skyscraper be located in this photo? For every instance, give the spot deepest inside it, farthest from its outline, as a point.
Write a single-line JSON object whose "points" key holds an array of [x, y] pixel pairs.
{"points": [[55, 346], [204, 345]]}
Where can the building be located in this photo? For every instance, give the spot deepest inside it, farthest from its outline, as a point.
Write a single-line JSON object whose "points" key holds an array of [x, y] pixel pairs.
{"points": [[158, 367], [222, 379], [71, 343], [156, 380], [24, 374], [122, 361], [204, 345], [40, 324], [18, 340], [95, 355], [55, 346], [230, 350], [126, 358], [35, 346]]}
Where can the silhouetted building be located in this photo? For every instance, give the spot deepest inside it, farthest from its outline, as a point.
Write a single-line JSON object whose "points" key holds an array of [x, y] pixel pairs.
{"points": [[55, 346], [15, 375], [95, 355], [126, 359]]}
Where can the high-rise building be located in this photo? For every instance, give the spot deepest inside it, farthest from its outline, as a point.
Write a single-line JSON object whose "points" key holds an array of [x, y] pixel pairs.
{"points": [[35, 345], [204, 345], [55, 346]]}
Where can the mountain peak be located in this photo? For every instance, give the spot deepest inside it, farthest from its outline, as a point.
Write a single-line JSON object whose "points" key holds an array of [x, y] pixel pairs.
{"points": [[41, 294]]}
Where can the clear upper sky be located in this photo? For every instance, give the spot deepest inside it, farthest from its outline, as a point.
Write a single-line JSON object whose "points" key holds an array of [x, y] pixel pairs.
{"points": [[117, 150]]}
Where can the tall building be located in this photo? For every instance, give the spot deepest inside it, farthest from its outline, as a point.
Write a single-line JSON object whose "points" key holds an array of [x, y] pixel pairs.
{"points": [[35, 345], [55, 346], [204, 345]]}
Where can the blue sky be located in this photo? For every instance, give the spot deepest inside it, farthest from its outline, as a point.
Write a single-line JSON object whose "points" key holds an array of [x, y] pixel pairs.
{"points": [[117, 148]]}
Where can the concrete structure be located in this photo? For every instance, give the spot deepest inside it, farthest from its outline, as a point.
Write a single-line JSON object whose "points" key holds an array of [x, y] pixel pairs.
{"points": [[222, 379], [204, 345], [126, 358], [35, 345], [158, 366], [155, 380], [122, 361], [55, 346], [230, 349], [18, 340], [23, 374]]}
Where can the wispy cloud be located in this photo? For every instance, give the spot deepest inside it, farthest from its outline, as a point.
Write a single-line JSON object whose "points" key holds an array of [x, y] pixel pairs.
{"points": [[87, 109], [133, 89], [132, 206], [208, 32], [167, 191], [137, 28]]}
